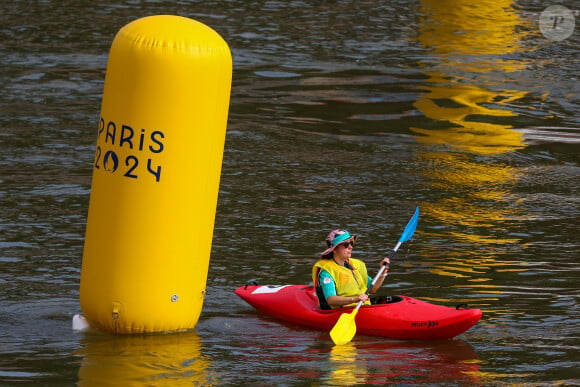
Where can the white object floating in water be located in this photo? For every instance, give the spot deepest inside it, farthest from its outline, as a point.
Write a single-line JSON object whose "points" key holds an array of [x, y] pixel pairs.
{"points": [[80, 323]]}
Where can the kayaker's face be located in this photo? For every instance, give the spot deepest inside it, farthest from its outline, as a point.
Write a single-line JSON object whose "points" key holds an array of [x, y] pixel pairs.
{"points": [[344, 250]]}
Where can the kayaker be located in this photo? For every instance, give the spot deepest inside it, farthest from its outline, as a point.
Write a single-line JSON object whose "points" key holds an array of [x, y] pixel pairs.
{"points": [[339, 279]]}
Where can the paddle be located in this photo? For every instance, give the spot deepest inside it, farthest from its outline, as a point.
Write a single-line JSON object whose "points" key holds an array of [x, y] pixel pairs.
{"points": [[345, 328]]}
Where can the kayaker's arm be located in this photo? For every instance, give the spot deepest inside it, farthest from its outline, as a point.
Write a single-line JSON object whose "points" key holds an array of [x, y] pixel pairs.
{"points": [[380, 280], [379, 283], [342, 301]]}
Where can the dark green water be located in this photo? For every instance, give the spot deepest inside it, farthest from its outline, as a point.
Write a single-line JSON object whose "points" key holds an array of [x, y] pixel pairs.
{"points": [[343, 114]]}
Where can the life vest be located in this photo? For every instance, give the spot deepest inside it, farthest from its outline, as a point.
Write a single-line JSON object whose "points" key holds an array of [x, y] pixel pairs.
{"points": [[349, 283]]}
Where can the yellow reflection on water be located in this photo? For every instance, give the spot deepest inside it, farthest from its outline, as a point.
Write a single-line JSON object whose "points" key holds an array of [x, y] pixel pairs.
{"points": [[476, 33], [459, 169], [489, 377], [459, 106], [344, 368], [149, 360], [472, 43], [480, 239]]}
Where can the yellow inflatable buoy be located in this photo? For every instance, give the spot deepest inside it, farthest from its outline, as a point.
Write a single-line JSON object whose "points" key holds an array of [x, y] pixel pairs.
{"points": [[156, 176]]}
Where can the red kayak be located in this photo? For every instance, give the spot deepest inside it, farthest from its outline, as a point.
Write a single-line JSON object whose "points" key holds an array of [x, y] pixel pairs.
{"points": [[396, 317]]}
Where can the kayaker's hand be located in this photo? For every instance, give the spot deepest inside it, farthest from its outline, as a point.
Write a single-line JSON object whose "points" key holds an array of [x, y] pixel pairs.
{"points": [[363, 297], [386, 262]]}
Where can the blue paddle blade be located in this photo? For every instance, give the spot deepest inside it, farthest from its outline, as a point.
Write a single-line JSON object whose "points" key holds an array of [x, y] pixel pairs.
{"points": [[411, 226]]}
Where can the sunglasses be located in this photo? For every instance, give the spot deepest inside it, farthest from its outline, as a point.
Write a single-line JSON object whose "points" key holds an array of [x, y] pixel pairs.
{"points": [[346, 244]]}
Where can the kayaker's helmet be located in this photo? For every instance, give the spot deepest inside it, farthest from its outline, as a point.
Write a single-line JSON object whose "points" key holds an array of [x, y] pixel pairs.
{"points": [[335, 238]]}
